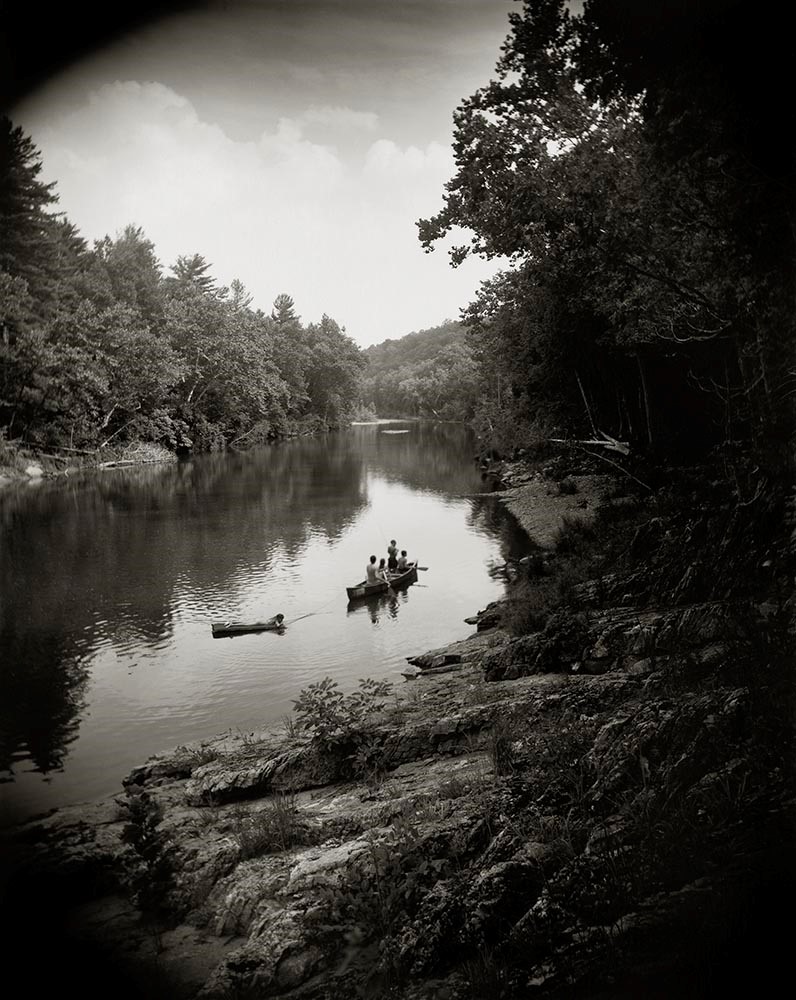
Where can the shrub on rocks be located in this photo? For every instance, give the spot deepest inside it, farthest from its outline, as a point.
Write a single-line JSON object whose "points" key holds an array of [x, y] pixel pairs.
{"points": [[276, 827]]}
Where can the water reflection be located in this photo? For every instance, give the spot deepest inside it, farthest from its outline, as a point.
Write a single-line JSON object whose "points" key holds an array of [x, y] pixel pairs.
{"points": [[436, 457], [109, 582], [101, 559], [379, 605], [42, 693], [494, 520]]}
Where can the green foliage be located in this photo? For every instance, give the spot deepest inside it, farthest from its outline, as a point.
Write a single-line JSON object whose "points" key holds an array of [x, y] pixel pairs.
{"points": [[651, 271], [143, 833], [379, 895], [502, 743], [277, 826], [28, 230], [364, 411], [9, 451], [194, 270], [334, 718], [131, 272], [485, 975], [98, 347], [575, 534], [344, 724], [530, 603], [332, 374], [567, 486], [284, 312], [429, 374]]}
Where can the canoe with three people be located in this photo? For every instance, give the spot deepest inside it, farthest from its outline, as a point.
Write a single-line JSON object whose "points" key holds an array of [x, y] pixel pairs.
{"points": [[395, 571]]}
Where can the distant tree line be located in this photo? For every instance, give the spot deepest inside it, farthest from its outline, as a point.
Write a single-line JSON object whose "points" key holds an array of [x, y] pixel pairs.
{"points": [[430, 373], [636, 167], [98, 344]]}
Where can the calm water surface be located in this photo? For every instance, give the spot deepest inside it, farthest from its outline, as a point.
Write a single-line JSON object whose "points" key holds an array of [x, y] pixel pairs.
{"points": [[109, 583]]}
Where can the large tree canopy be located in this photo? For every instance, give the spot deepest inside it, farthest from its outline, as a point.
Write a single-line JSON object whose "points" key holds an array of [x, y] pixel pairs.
{"points": [[97, 345], [650, 239]]}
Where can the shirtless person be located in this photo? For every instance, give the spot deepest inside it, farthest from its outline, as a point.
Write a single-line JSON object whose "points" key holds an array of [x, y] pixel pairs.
{"points": [[371, 571]]}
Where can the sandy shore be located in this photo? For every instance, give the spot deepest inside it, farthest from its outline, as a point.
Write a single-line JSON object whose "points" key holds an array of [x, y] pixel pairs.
{"points": [[540, 506]]}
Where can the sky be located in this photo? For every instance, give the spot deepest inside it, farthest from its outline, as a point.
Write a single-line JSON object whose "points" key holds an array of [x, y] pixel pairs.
{"points": [[293, 143]]}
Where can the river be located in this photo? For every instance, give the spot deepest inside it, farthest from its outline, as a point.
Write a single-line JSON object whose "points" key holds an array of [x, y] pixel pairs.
{"points": [[109, 583]]}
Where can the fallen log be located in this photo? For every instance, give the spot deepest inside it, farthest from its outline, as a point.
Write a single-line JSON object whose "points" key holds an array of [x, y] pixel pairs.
{"points": [[605, 442]]}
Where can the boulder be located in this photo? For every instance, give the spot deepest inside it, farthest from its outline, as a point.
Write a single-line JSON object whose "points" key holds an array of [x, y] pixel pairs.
{"points": [[442, 669], [513, 658], [444, 660]]}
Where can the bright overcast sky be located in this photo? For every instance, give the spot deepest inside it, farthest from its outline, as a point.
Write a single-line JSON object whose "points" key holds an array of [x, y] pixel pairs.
{"points": [[293, 143]]}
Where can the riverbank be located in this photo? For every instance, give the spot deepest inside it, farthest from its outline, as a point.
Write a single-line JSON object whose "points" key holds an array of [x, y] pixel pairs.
{"points": [[590, 795], [21, 466]]}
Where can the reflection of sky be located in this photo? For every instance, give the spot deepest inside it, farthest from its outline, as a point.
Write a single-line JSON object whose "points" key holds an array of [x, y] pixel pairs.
{"points": [[176, 684]]}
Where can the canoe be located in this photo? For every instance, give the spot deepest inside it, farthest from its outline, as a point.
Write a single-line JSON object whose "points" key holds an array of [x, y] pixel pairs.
{"points": [[224, 629], [365, 589]]}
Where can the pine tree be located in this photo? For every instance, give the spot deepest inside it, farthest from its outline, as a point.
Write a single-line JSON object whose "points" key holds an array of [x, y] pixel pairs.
{"points": [[30, 241], [284, 310], [194, 270]]}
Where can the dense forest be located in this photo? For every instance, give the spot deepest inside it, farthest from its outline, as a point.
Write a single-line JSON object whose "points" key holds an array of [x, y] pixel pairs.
{"points": [[624, 162], [430, 373], [592, 795], [100, 345], [636, 167]]}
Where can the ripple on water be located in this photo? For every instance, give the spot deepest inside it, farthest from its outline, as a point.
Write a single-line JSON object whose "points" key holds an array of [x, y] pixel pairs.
{"points": [[125, 664]]}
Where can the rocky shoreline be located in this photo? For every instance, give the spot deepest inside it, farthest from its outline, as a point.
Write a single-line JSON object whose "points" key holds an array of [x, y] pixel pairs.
{"points": [[600, 805]]}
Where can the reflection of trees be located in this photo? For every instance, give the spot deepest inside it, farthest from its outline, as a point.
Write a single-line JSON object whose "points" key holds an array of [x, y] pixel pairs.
{"points": [[101, 557], [437, 457], [126, 538], [42, 692], [494, 520]]}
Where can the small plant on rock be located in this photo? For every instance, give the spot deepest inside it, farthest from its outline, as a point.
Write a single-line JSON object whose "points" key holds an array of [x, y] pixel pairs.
{"points": [[330, 716], [277, 827], [143, 833], [503, 742], [379, 897], [485, 976], [343, 724]]}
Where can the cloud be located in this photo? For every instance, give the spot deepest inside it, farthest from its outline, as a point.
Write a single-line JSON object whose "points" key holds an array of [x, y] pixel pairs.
{"points": [[386, 157], [334, 228], [340, 117]]}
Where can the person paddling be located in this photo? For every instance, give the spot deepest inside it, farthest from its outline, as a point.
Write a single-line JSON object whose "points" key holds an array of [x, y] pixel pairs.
{"points": [[403, 565]]}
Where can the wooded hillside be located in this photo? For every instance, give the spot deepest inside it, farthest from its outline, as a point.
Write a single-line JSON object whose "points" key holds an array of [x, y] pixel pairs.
{"points": [[429, 373], [102, 344]]}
